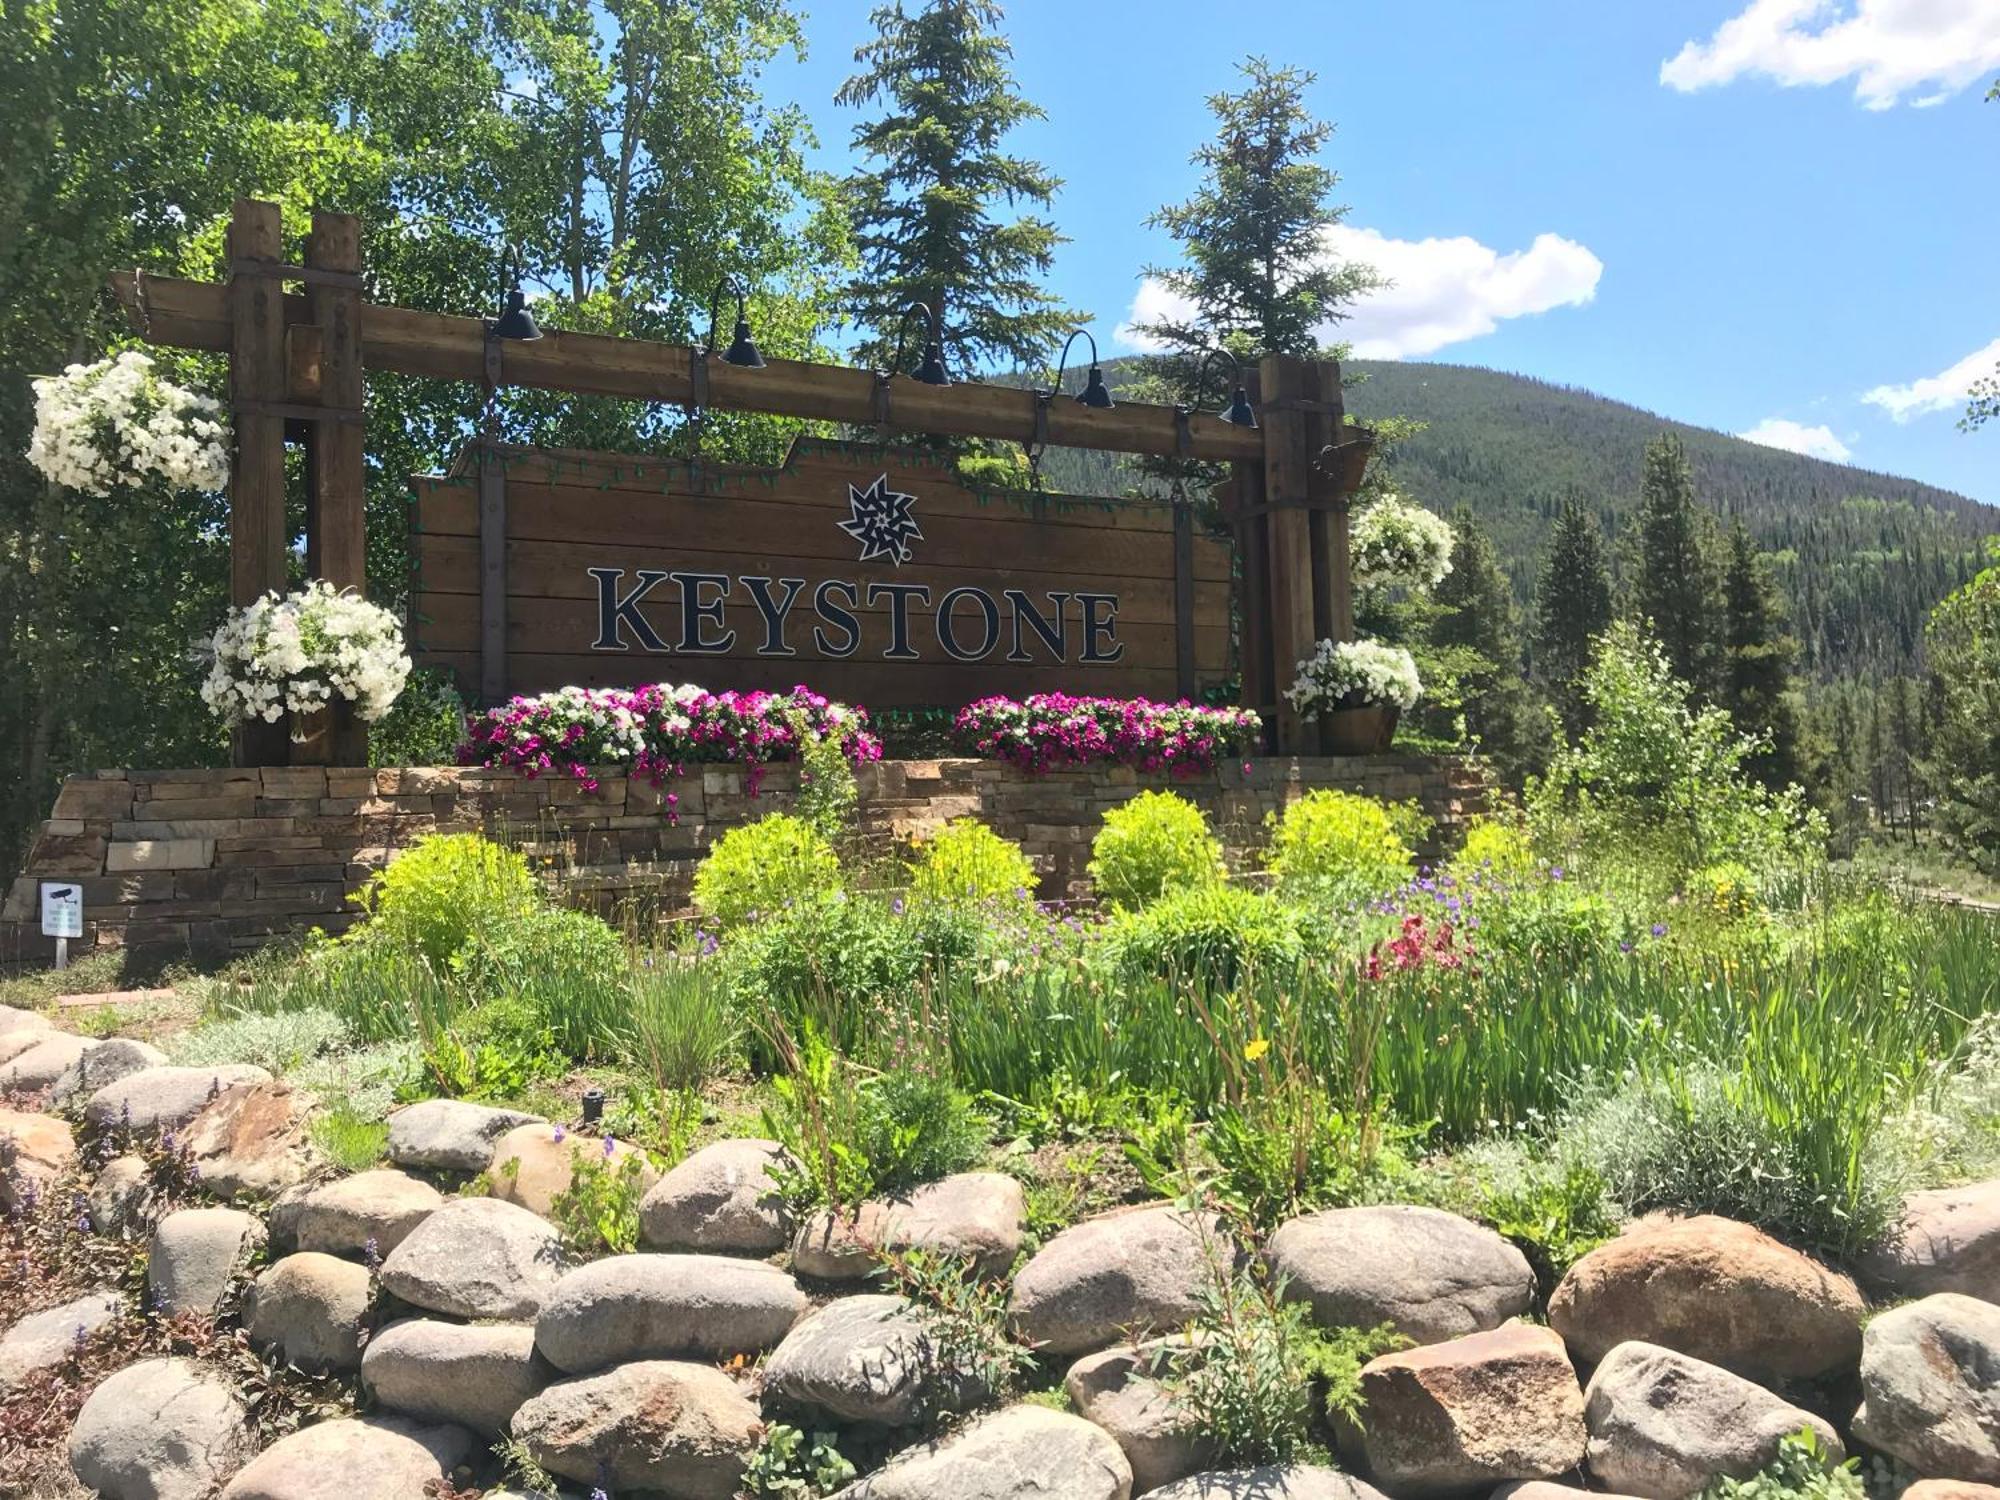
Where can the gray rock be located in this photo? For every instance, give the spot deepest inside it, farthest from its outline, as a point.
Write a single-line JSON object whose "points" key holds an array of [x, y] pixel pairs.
{"points": [[449, 1135], [681, 1430], [1019, 1452], [1271, 1482], [1430, 1273], [22, 1039], [115, 1058], [657, 1306], [1930, 1386], [477, 1258], [35, 1149], [1549, 1489], [719, 1200], [163, 1429], [1123, 1274], [344, 1216], [195, 1254], [1663, 1424], [1472, 1412], [476, 1376], [43, 1340], [981, 1217], [534, 1165], [13, 1019], [253, 1140], [1948, 1241], [312, 1308], [164, 1098], [42, 1066], [122, 1197], [371, 1458], [1118, 1390], [864, 1359]]}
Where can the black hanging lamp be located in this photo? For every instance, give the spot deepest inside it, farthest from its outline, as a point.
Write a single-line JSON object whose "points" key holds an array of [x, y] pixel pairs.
{"points": [[515, 321], [1095, 392], [930, 369], [742, 350], [1239, 410]]}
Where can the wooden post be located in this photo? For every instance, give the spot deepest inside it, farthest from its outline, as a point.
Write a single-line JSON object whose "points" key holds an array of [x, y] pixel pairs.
{"points": [[1333, 606], [337, 538], [1288, 457], [492, 572], [257, 390]]}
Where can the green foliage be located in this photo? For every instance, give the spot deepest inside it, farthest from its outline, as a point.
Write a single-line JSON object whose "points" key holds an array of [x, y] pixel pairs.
{"points": [[1555, 1213], [1155, 843], [598, 1213], [501, 1047], [1497, 846], [1758, 653], [1802, 1469], [567, 966], [789, 1464], [1333, 845], [1475, 617], [1572, 608], [1677, 593], [828, 791], [1963, 757], [826, 958], [1288, 1151], [684, 1027], [424, 726], [445, 889], [280, 1042], [967, 863], [1212, 934], [968, 1352], [763, 867], [349, 1141]]}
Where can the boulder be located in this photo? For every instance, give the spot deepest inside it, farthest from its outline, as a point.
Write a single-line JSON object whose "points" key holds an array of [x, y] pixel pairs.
{"points": [[122, 1197], [313, 1309], [1930, 1386], [1102, 1281], [679, 1430], [43, 1065], [1270, 1482], [864, 1359], [449, 1135], [477, 1258], [1948, 1240], [1472, 1412], [981, 1217], [35, 1149], [719, 1200], [350, 1214], [1118, 1390], [22, 1039], [533, 1165], [1950, 1489], [657, 1306], [164, 1098], [1431, 1274], [1020, 1451], [1663, 1424], [163, 1429], [253, 1140], [368, 1458], [1715, 1289], [1548, 1489], [13, 1019], [476, 1376], [195, 1254], [110, 1060], [44, 1340]]}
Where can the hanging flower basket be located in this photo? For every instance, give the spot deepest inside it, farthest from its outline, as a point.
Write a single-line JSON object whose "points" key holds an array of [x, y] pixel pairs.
{"points": [[1357, 690], [1363, 729]]}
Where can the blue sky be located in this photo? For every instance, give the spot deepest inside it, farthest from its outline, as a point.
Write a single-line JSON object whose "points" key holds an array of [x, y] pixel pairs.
{"points": [[1774, 215]]}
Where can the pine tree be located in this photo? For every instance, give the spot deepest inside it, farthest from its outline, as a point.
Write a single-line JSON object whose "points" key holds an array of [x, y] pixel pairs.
{"points": [[1572, 608], [929, 217], [1677, 590], [1759, 653], [1474, 627]]}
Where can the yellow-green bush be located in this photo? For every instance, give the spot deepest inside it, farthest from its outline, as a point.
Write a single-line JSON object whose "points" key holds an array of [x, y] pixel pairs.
{"points": [[1339, 841], [762, 866], [445, 889], [1497, 848], [1157, 842], [965, 863]]}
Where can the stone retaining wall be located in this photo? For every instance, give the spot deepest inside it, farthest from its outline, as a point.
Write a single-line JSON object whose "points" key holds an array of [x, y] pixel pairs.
{"points": [[214, 861]]}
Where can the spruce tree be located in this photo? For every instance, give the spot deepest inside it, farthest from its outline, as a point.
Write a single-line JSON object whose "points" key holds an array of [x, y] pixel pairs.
{"points": [[1758, 656], [1474, 628], [1677, 591], [931, 214], [1572, 607]]}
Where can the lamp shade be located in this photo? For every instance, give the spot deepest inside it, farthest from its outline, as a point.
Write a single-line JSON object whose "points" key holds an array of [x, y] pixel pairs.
{"points": [[515, 321], [742, 348], [1095, 392]]}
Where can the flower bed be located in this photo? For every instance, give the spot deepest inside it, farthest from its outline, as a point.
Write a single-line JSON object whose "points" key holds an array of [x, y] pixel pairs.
{"points": [[656, 730], [1049, 731]]}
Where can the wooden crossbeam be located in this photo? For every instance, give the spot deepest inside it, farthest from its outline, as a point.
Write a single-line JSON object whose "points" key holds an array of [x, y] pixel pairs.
{"points": [[194, 315]]}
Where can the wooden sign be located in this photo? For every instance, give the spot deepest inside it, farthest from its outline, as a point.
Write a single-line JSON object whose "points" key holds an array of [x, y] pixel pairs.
{"points": [[871, 574]]}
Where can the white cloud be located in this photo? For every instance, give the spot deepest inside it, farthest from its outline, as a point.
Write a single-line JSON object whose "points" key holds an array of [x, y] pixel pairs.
{"points": [[1888, 47], [1441, 291], [1944, 391], [1796, 437]]}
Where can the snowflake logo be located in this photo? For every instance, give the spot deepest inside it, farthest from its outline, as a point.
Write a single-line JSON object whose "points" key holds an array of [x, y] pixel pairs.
{"points": [[881, 521]]}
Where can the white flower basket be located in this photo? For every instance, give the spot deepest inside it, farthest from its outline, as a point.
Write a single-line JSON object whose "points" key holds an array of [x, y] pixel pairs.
{"points": [[302, 652], [1354, 674], [118, 425], [1395, 542]]}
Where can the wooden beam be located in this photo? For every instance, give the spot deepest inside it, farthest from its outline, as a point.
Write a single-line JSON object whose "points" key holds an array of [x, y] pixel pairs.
{"points": [[192, 314]]}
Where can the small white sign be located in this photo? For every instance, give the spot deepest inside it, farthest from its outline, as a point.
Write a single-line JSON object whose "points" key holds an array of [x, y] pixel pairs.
{"points": [[62, 910]]}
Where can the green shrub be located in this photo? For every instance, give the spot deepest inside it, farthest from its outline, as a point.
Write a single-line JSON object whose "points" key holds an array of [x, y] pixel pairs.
{"points": [[423, 727], [830, 958], [965, 863], [1555, 1214], [1212, 933], [1497, 848], [380, 990], [762, 867], [683, 1025], [445, 888], [786, 1464], [281, 1042], [1802, 1469], [508, 1044], [1331, 843], [598, 1213], [1289, 1151], [350, 1141], [567, 965], [1156, 843]]}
